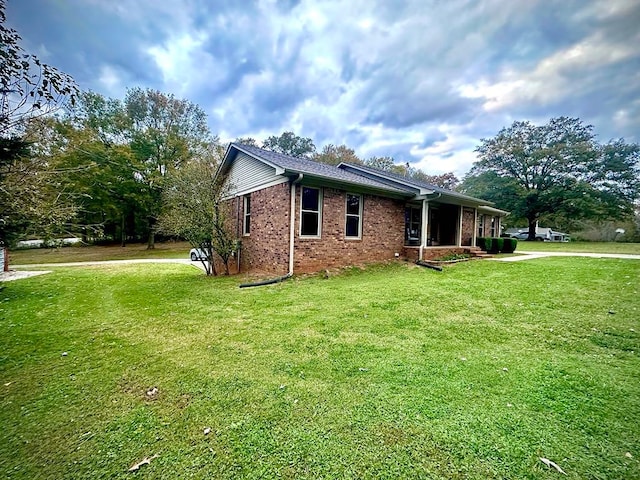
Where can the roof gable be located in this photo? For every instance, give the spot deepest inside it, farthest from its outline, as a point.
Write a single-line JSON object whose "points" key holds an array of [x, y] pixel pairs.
{"points": [[293, 166]]}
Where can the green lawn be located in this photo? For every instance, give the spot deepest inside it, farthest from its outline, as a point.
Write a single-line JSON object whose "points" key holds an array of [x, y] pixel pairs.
{"points": [[592, 247], [94, 253], [390, 372]]}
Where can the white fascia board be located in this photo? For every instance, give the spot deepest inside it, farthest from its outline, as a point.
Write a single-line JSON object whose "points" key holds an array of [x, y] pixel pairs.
{"points": [[273, 183]]}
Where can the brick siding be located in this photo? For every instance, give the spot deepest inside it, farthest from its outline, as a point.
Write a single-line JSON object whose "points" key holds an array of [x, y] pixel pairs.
{"points": [[382, 233]]}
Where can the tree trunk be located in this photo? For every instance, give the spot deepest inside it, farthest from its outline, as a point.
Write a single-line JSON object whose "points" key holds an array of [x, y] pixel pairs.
{"points": [[123, 233], [532, 229], [152, 235]]}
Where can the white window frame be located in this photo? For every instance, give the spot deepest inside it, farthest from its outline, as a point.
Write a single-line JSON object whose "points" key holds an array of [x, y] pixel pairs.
{"points": [[319, 212], [492, 230], [347, 215], [246, 200], [480, 229]]}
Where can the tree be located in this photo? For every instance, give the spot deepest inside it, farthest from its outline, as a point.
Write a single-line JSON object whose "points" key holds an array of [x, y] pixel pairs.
{"points": [[164, 132], [31, 195], [290, 144], [34, 198], [195, 211], [381, 163], [334, 155], [558, 170], [247, 141], [28, 87]]}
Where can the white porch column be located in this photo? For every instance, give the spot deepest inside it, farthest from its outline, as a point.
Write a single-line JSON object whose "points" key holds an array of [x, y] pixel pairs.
{"points": [[459, 240], [424, 225]]}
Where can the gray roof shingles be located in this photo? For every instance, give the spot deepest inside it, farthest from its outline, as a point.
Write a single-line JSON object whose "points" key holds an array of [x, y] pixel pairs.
{"points": [[316, 169], [322, 170]]}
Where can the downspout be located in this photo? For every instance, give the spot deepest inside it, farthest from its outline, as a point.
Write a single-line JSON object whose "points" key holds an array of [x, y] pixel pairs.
{"points": [[291, 240], [292, 222]]}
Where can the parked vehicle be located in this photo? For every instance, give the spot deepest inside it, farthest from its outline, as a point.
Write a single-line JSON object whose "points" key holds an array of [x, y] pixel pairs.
{"points": [[542, 234], [525, 235], [197, 254]]}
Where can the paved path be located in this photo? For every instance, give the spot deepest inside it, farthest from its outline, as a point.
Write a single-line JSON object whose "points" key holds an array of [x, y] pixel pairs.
{"points": [[531, 255], [22, 273]]}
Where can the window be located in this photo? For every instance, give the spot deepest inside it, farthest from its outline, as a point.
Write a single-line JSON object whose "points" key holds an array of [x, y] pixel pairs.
{"points": [[493, 226], [310, 212], [247, 215], [412, 225], [353, 221], [481, 225]]}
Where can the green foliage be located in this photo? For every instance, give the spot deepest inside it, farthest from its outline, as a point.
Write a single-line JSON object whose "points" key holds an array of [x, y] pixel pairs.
{"points": [[290, 144], [28, 87], [386, 372], [556, 173], [192, 199], [509, 245], [446, 180], [497, 245], [334, 155]]}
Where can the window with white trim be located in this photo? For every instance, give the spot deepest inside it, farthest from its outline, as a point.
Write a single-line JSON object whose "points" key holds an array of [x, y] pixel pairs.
{"points": [[481, 225], [246, 229], [310, 212], [493, 226], [353, 220]]}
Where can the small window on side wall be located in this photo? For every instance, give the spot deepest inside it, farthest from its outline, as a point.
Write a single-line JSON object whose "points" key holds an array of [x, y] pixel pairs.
{"points": [[353, 220], [246, 229], [310, 212]]}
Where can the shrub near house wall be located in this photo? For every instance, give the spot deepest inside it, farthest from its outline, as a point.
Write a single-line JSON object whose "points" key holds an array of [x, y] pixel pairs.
{"points": [[496, 245], [509, 245]]}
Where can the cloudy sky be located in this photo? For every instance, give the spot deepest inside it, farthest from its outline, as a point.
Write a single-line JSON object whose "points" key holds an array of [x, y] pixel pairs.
{"points": [[421, 81]]}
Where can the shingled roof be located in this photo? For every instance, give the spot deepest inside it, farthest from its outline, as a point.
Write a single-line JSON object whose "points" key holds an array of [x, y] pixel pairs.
{"points": [[296, 165], [347, 174]]}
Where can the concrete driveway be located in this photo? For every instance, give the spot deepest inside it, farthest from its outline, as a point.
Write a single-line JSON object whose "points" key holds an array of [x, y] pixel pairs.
{"points": [[532, 255]]}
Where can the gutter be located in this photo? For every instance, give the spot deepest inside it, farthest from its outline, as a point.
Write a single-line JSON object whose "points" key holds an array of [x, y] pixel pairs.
{"points": [[292, 222]]}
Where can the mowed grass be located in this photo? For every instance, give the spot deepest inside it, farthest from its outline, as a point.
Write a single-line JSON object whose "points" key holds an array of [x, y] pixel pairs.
{"points": [[94, 253], [582, 247], [389, 372]]}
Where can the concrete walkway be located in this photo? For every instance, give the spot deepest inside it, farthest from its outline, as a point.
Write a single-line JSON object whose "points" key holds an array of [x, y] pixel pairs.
{"points": [[532, 255]]}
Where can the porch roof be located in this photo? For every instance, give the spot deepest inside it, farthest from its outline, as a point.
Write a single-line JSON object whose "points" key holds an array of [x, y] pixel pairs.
{"points": [[419, 187]]}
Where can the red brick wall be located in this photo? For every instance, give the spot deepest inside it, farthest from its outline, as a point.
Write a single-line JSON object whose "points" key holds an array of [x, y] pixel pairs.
{"points": [[266, 248], [382, 233], [468, 225]]}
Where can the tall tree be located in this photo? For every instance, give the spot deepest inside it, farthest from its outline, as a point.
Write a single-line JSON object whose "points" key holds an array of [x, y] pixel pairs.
{"points": [[559, 169], [381, 163], [34, 197], [164, 133], [247, 141], [290, 144], [28, 89], [446, 180], [334, 155], [194, 210]]}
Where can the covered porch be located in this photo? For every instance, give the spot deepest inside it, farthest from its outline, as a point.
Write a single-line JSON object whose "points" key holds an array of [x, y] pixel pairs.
{"points": [[435, 228]]}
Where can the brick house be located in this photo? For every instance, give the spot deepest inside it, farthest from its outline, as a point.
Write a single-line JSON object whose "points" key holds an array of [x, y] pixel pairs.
{"points": [[342, 215]]}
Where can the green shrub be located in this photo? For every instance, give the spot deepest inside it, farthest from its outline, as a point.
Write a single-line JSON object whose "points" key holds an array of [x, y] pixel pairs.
{"points": [[484, 243], [496, 245], [509, 245]]}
